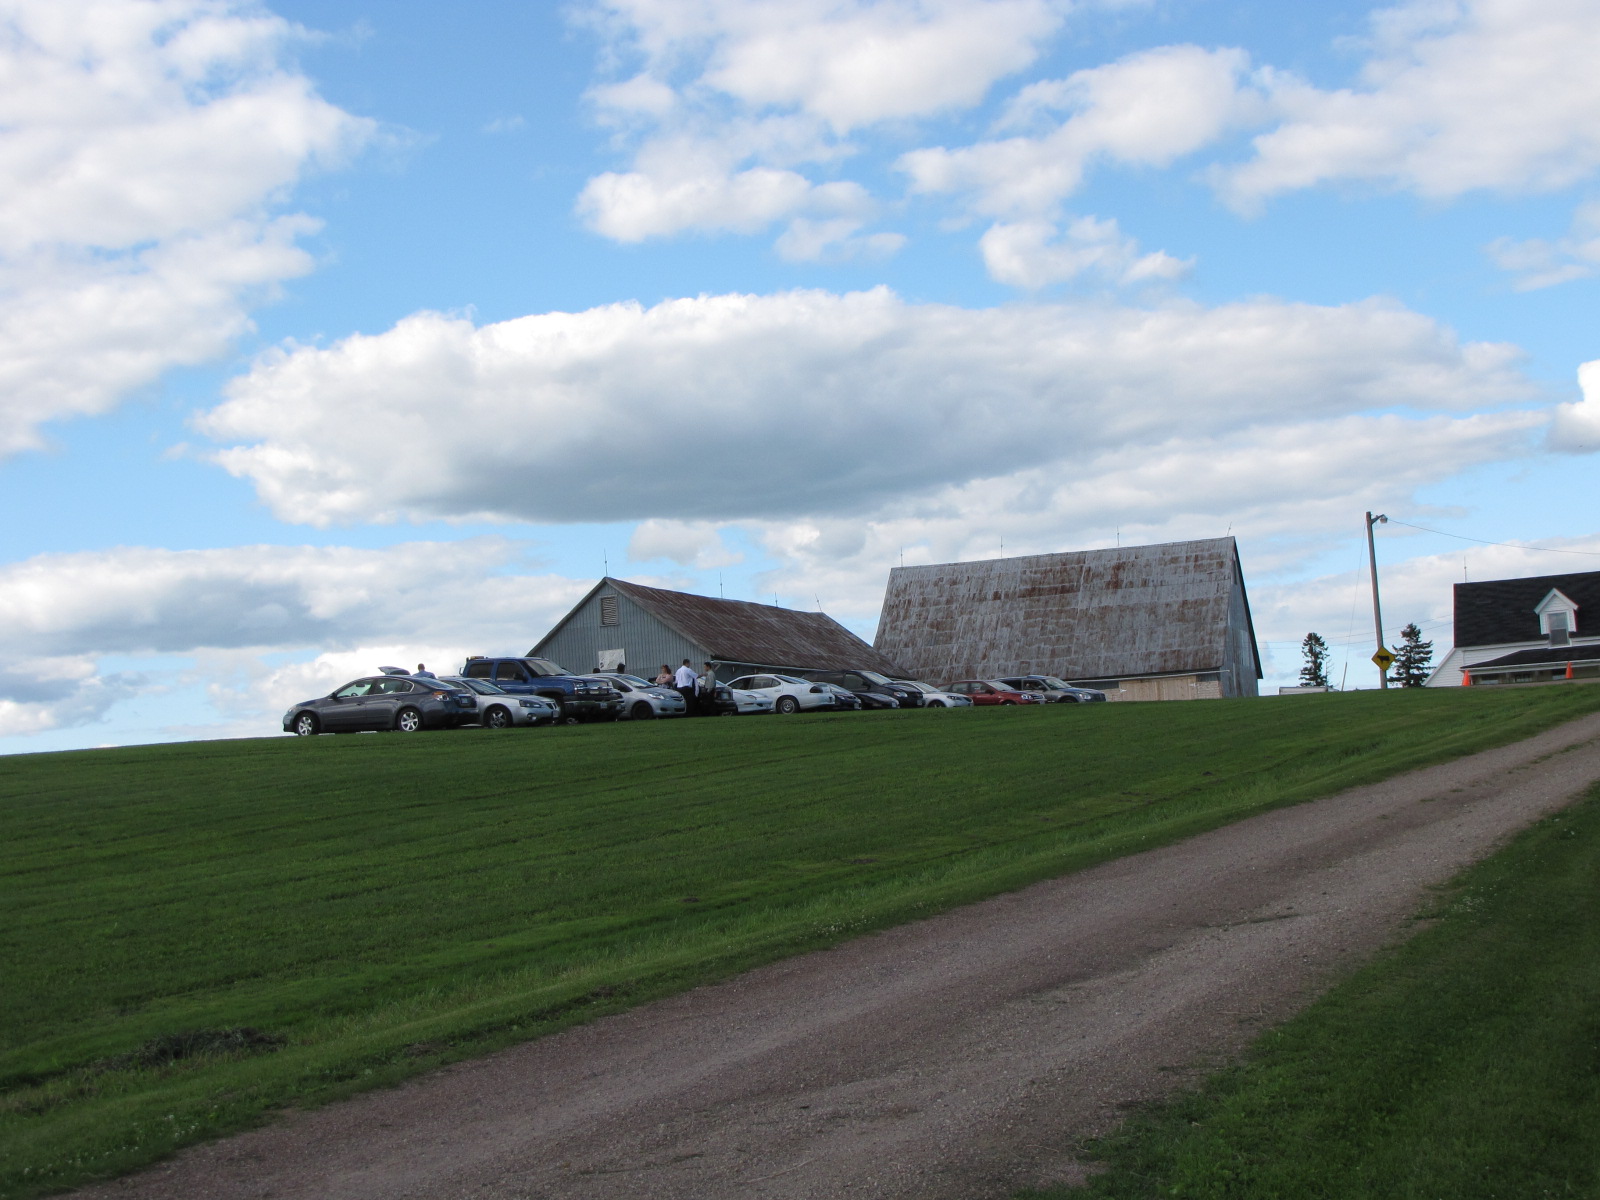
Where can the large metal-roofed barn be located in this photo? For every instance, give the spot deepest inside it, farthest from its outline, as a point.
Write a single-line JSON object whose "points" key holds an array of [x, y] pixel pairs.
{"points": [[643, 627], [1167, 622]]}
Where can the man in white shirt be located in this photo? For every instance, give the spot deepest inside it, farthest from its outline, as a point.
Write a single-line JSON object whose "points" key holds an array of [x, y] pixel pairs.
{"points": [[684, 680]]}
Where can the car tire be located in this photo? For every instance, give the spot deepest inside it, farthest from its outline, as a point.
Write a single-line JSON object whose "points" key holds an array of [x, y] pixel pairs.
{"points": [[307, 725], [788, 705], [563, 717], [936, 704], [408, 720], [1008, 704], [641, 711], [497, 718]]}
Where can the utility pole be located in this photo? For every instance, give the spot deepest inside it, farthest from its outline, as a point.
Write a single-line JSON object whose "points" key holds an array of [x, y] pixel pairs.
{"points": [[1377, 613]]}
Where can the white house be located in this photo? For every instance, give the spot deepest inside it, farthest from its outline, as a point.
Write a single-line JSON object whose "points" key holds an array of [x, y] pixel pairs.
{"points": [[1544, 629]]}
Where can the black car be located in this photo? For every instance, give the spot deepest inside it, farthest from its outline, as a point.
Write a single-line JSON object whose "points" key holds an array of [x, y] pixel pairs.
{"points": [[869, 684], [402, 702], [1052, 689]]}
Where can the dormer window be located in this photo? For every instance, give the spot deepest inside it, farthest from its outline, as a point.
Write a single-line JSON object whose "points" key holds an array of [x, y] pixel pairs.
{"points": [[1560, 635], [1558, 617]]}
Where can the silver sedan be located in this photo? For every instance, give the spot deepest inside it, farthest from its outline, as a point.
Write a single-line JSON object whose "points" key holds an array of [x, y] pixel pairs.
{"points": [[499, 709], [641, 699]]}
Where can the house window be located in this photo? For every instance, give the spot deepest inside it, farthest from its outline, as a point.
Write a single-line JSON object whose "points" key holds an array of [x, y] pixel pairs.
{"points": [[608, 611], [1560, 628]]}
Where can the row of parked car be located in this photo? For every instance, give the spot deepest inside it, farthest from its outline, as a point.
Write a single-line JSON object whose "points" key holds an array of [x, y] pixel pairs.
{"points": [[499, 693]]}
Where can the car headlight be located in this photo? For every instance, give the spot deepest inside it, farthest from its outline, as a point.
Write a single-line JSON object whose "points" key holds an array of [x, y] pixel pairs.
{"points": [[530, 704]]}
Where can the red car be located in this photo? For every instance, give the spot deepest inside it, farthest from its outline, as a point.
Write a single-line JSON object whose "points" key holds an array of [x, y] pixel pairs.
{"points": [[990, 691]]}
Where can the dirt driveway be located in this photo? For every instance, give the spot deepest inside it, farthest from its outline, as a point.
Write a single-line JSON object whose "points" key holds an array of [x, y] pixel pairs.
{"points": [[959, 1057]]}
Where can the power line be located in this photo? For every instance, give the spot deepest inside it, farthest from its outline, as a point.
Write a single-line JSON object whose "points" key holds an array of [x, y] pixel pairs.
{"points": [[1482, 542]]}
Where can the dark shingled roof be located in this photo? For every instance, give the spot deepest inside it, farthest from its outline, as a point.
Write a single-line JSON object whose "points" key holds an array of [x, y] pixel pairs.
{"points": [[738, 631], [1502, 610], [1549, 656], [1169, 609]]}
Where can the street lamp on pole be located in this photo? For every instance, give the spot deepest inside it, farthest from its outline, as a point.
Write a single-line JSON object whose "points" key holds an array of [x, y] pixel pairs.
{"points": [[1377, 613]]}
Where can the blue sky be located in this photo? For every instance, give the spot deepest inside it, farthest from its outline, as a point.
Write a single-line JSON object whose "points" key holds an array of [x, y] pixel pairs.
{"points": [[335, 333]]}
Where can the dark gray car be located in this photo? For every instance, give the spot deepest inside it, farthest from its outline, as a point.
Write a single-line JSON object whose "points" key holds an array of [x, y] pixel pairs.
{"points": [[406, 703]]}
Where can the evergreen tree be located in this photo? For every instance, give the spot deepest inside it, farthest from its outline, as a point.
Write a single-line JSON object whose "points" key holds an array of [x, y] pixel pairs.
{"points": [[1414, 658], [1315, 672]]}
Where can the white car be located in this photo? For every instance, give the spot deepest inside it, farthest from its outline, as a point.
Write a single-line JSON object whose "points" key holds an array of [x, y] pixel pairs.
{"points": [[641, 699], [744, 704], [788, 694], [936, 698], [499, 709]]}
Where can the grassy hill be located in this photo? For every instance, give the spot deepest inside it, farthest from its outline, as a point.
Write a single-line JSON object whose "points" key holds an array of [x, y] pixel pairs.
{"points": [[199, 934]]}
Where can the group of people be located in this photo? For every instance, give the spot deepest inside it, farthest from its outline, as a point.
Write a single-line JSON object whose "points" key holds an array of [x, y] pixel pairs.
{"points": [[699, 692]]}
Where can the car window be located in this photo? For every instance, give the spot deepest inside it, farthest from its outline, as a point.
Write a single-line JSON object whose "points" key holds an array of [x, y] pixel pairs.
{"points": [[510, 672], [387, 687], [360, 687], [478, 670]]}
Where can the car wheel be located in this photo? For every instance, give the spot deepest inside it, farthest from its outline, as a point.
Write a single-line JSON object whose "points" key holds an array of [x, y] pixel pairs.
{"points": [[497, 718], [788, 704], [408, 720], [563, 717], [641, 711], [935, 703], [305, 725], [1008, 704]]}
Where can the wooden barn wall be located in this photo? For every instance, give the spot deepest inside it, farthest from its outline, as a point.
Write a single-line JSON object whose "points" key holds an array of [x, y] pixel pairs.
{"points": [[646, 642]]}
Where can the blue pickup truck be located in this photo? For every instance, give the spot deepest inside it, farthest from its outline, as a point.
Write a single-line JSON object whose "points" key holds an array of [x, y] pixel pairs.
{"points": [[580, 699]]}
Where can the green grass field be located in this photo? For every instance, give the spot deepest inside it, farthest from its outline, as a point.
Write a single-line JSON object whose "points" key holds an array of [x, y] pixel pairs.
{"points": [[1464, 1065], [374, 905]]}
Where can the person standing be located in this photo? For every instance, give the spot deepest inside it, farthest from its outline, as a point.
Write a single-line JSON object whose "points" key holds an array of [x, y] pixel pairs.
{"points": [[664, 679], [684, 679], [707, 698]]}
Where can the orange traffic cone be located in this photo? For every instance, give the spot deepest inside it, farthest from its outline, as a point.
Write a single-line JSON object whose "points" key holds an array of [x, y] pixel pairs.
{"points": [[1466, 678]]}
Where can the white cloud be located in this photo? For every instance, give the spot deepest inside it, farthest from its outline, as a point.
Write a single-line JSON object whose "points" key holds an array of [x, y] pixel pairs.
{"points": [[728, 100], [1286, 491], [809, 401], [848, 63], [143, 145], [1147, 109], [1538, 263], [237, 612], [1032, 254], [1576, 428], [1456, 96], [697, 544]]}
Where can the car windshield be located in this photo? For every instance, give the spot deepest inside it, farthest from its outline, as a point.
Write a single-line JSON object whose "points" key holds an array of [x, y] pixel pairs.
{"points": [[543, 666], [634, 680], [928, 688], [482, 686], [874, 677], [1050, 681], [790, 679]]}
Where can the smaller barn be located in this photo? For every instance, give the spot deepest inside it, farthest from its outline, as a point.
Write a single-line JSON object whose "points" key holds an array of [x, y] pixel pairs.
{"points": [[1165, 622], [627, 623], [1542, 629]]}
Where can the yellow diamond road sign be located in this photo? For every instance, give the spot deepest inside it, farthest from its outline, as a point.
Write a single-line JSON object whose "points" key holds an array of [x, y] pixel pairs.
{"points": [[1383, 657]]}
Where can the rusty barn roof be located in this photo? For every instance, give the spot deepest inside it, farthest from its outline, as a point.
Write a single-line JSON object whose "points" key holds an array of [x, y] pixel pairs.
{"points": [[739, 631], [1087, 614]]}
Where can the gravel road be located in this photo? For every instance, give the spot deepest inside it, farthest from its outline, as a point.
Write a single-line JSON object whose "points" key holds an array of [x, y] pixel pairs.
{"points": [[959, 1057]]}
